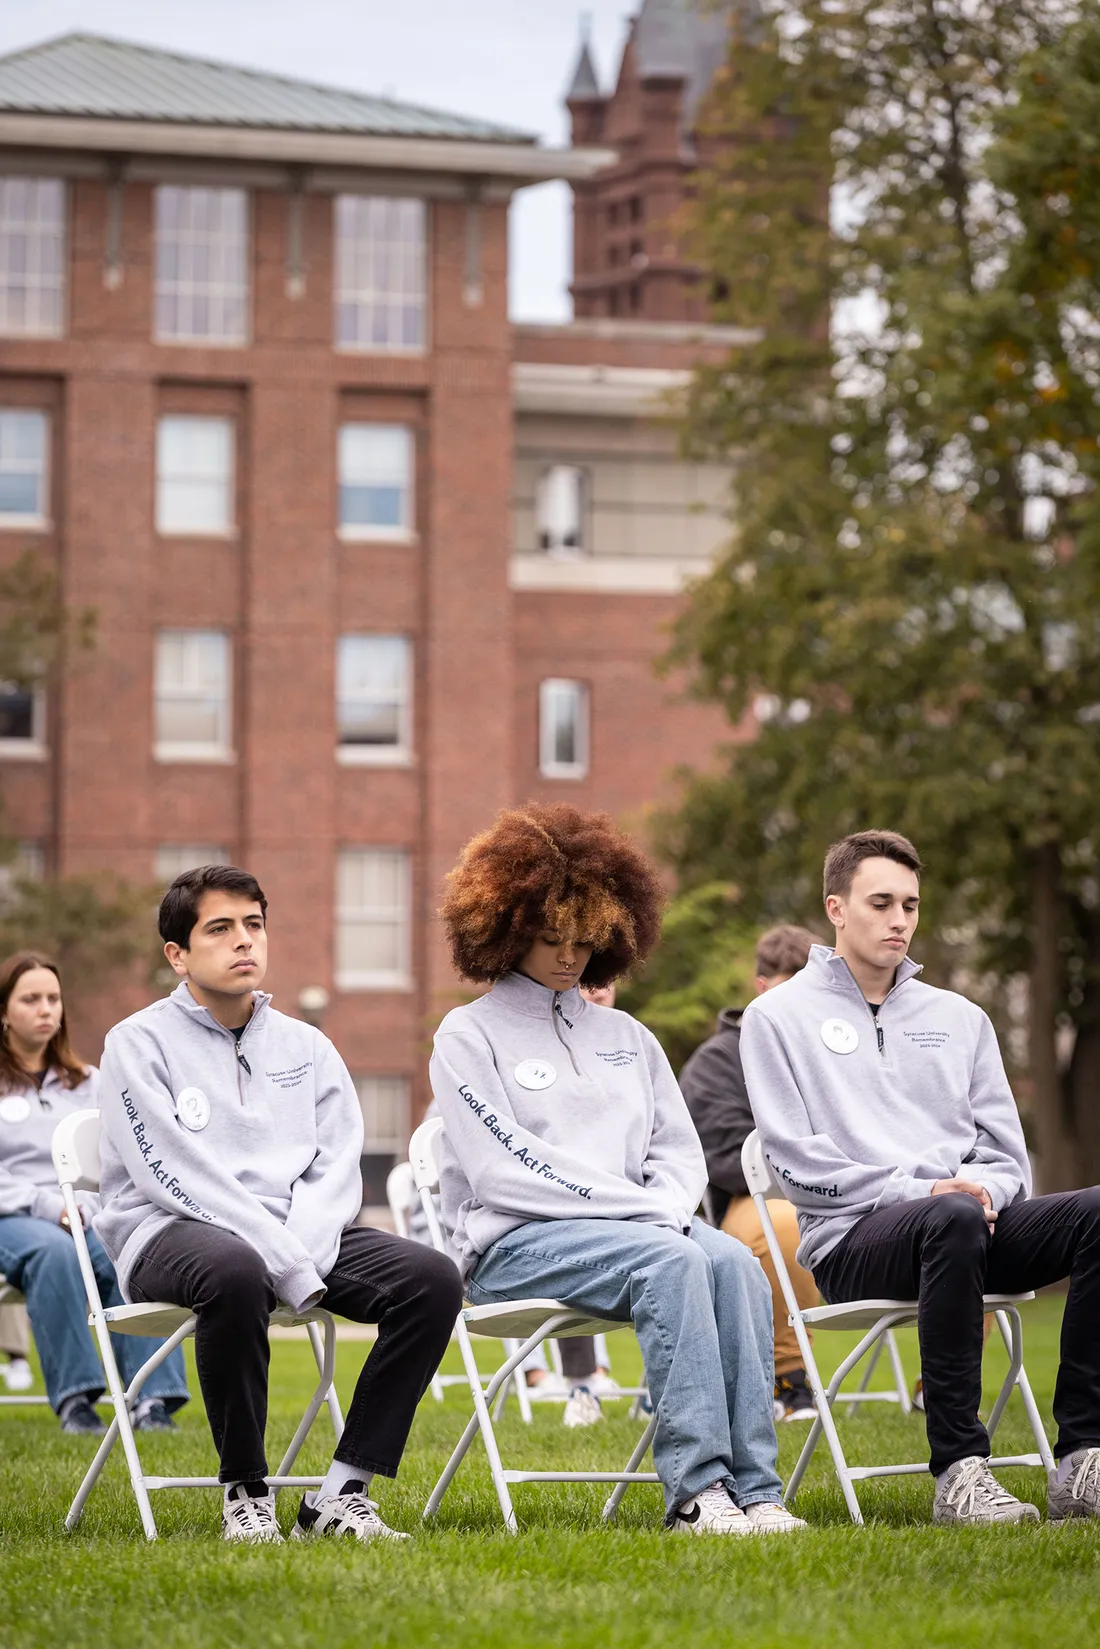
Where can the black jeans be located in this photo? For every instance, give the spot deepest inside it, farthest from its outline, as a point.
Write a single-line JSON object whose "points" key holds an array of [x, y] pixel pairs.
{"points": [[411, 1292], [940, 1251], [578, 1356]]}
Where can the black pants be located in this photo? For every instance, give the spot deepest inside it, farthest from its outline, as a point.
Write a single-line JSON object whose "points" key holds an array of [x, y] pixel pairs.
{"points": [[940, 1251], [578, 1356], [411, 1292]]}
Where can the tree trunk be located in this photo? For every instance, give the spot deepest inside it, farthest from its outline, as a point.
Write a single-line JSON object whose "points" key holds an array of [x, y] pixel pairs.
{"points": [[1056, 1169], [1082, 1081]]}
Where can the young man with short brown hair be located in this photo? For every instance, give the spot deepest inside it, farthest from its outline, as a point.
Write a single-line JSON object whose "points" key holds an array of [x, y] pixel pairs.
{"points": [[885, 1112]]}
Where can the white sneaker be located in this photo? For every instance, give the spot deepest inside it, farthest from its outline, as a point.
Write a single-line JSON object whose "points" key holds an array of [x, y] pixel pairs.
{"points": [[604, 1386], [250, 1518], [582, 1408], [711, 1511], [968, 1492], [551, 1389], [769, 1517], [350, 1513], [17, 1375]]}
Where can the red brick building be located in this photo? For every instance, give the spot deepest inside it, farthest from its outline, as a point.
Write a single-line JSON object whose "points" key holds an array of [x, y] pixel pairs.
{"points": [[261, 405]]}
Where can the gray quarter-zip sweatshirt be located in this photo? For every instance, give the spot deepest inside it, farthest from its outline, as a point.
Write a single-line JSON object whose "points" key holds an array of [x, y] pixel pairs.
{"points": [[557, 1109], [262, 1137], [28, 1117], [855, 1114]]}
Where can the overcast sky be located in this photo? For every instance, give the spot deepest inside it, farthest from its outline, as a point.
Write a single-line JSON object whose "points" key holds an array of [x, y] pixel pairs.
{"points": [[505, 60]]}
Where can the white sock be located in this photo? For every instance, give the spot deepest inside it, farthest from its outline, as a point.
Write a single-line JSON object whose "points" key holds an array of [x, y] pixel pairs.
{"points": [[339, 1474]]}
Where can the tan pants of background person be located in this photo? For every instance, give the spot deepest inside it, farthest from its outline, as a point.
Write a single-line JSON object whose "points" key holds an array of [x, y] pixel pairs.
{"points": [[743, 1222], [14, 1333]]}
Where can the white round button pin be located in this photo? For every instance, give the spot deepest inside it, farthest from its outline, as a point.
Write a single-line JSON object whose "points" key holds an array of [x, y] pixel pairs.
{"points": [[193, 1108], [839, 1037], [535, 1074], [15, 1108]]}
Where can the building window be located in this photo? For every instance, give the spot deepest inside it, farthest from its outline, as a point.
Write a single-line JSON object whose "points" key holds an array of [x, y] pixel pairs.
{"points": [[380, 273], [201, 265], [373, 709], [22, 722], [195, 475], [372, 919], [24, 446], [375, 463], [192, 696], [560, 511], [563, 729], [173, 858], [32, 257], [384, 1101]]}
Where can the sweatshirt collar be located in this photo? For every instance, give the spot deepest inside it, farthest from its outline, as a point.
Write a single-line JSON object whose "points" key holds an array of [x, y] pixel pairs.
{"points": [[519, 994], [824, 964], [182, 997]]}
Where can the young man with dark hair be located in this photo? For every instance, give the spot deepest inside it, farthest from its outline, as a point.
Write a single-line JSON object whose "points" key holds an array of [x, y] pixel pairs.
{"points": [[885, 1111], [231, 1184], [713, 1083]]}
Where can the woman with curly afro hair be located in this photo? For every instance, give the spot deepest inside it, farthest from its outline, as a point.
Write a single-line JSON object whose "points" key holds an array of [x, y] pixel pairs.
{"points": [[570, 1167]]}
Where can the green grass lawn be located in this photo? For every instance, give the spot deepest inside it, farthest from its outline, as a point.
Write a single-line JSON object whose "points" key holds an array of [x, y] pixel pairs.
{"points": [[564, 1579]]}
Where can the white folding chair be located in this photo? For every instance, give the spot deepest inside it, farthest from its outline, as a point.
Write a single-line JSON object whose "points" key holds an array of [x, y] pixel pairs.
{"points": [[10, 1295], [528, 1322], [76, 1159], [875, 1318], [401, 1194]]}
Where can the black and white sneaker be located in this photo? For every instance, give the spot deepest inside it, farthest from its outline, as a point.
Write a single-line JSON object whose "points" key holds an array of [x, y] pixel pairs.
{"points": [[349, 1513], [248, 1515], [711, 1511], [153, 1416], [79, 1416], [793, 1398]]}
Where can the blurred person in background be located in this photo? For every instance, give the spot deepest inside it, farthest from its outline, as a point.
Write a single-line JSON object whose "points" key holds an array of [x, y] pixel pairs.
{"points": [[713, 1084], [41, 1082], [15, 1345]]}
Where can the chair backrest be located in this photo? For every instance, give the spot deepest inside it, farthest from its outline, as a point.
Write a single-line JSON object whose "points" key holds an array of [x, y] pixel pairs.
{"points": [[401, 1194], [757, 1169], [424, 1154], [75, 1149]]}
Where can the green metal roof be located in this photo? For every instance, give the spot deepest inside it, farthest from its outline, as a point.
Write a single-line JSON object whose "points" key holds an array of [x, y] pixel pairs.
{"points": [[89, 76]]}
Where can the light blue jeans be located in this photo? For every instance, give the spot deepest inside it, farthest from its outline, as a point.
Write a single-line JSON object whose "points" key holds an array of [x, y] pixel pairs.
{"points": [[39, 1258], [702, 1310]]}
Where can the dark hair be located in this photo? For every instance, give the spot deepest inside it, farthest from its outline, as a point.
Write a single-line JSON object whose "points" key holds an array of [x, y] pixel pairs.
{"points": [[179, 909], [59, 1055], [784, 950], [844, 857], [551, 867]]}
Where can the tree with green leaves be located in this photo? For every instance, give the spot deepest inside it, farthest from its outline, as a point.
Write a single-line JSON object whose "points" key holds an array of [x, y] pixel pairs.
{"points": [[910, 601], [92, 925]]}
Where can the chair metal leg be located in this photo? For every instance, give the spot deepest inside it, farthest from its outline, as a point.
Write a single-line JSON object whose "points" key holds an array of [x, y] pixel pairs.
{"points": [[332, 1402], [324, 1386], [868, 1372], [481, 1421], [1012, 1333], [905, 1402], [640, 1452]]}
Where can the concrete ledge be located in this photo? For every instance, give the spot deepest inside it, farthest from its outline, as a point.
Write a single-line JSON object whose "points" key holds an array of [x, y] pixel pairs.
{"points": [[606, 574]]}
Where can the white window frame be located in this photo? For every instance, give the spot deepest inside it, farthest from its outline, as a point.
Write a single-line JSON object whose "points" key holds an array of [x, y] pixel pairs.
{"points": [[186, 750], [359, 288], [40, 518], [563, 552], [34, 748], [384, 1144], [183, 286], [380, 755], [36, 286], [360, 532], [552, 688], [184, 856], [167, 480], [369, 979]]}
